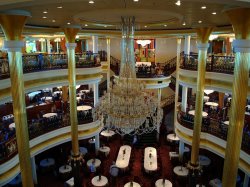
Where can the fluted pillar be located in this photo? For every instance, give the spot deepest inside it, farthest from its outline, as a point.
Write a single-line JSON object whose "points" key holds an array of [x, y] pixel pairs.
{"points": [[96, 93], [187, 45], [184, 99], [203, 36], [108, 62], [178, 50], [240, 19], [48, 45], [12, 24], [70, 34]]}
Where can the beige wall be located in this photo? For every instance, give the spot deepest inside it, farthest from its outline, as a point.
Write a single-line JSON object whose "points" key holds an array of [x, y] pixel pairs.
{"points": [[164, 51]]}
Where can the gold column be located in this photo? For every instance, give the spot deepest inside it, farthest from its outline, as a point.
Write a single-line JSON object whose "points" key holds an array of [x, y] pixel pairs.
{"points": [[65, 94], [12, 24], [178, 51], [70, 34], [203, 36], [240, 19], [108, 62]]}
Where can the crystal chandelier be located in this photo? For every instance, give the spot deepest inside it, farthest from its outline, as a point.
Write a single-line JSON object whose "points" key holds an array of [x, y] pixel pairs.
{"points": [[143, 43], [127, 107]]}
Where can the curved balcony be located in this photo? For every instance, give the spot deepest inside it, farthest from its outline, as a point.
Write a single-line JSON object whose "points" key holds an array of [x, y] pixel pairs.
{"points": [[44, 134], [213, 137]]}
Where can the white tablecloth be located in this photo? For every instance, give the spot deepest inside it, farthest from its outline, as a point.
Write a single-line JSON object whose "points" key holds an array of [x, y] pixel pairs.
{"points": [[105, 150], [150, 163], [226, 122], [57, 92], [97, 162], [192, 112], [212, 104], [107, 133], [206, 98], [70, 182], [83, 108], [96, 182], [181, 171], [172, 137], [204, 161], [135, 184], [215, 183], [47, 162], [49, 115], [92, 140], [86, 91], [12, 125], [47, 98], [159, 183], [122, 160], [78, 98], [65, 169], [142, 63]]}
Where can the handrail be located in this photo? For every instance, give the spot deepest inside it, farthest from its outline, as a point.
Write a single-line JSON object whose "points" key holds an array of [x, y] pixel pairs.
{"points": [[39, 127], [45, 62], [213, 126], [214, 63]]}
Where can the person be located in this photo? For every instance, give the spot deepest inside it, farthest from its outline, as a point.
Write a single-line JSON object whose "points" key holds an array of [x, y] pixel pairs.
{"points": [[92, 167], [113, 170], [134, 140]]}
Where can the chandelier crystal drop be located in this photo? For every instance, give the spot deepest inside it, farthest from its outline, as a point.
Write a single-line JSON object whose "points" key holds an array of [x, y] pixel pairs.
{"points": [[127, 107]]}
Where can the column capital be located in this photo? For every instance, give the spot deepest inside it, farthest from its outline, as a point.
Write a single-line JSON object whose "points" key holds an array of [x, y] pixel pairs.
{"points": [[203, 46], [70, 45], [12, 23], [203, 34], [240, 19], [13, 45], [71, 32], [242, 46]]}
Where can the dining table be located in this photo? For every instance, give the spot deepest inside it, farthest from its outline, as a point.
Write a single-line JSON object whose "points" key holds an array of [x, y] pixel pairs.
{"points": [[99, 181], [150, 159], [123, 157]]}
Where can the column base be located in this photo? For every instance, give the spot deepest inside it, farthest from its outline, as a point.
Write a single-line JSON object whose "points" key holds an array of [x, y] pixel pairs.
{"points": [[76, 161], [194, 176]]}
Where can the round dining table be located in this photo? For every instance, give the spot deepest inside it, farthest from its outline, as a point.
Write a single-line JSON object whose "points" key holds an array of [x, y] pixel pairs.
{"points": [[192, 112], [204, 161], [132, 184], [97, 162], [163, 183], [99, 181], [47, 162], [105, 150], [181, 171], [83, 108], [65, 169], [12, 125], [107, 133], [172, 137], [49, 115]]}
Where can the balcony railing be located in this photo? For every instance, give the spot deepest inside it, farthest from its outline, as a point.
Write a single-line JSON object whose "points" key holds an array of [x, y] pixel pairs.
{"points": [[214, 63], [215, 127], [38, 127], [45, 62]]}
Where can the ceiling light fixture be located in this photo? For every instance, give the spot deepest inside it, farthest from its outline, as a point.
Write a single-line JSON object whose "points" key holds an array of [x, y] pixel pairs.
{"points": [[184, 23], [145, 26], [105, 26], [143, 43], [136, 0], [44, 17], [214, 13], [59, 7], [178, 3], [68, 23], [208, 91], [200, 21], [77, 36], [203, 7], [53, 20], [45, 11], [86, 25], [165, 25], [91, 2]]}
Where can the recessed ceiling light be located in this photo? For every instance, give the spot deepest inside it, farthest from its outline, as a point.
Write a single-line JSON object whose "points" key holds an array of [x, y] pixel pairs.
{"points": [[178, 3], [136, 0], [44, 17], [86, 25], [165, 25], [145, 26], [53, 20], [200, 21], [91, 2], [68, 23], [105, 25], [184, 23], [214, 13], [59, 7], [203, 7], [45, 11]]}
